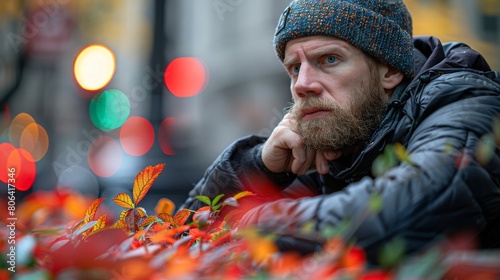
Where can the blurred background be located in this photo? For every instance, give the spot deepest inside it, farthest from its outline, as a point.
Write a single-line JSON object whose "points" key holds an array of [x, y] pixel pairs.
{"points": [[93, 91]]}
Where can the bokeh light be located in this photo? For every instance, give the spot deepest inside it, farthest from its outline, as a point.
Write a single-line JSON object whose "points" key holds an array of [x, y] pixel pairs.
{"points": [[185, 76], [5, 120], [17, 126], [165, 136], [94, 67], [35, 140], [105, 156], [25, 168], [5, 150], [109, 110], [137, 136]]}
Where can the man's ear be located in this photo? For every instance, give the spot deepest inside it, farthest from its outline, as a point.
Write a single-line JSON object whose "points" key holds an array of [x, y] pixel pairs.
{"points": [[389, 77]]}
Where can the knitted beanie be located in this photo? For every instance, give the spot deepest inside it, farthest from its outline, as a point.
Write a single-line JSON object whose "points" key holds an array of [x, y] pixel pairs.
{"points": [[380, 28]]}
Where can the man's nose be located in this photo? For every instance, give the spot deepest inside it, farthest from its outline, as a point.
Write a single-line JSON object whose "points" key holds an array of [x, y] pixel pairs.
{"points": [[307, 82]]}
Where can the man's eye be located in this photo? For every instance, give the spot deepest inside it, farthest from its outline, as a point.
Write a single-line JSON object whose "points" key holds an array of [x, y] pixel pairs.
{"points": [[295, 69], [331, 59]]}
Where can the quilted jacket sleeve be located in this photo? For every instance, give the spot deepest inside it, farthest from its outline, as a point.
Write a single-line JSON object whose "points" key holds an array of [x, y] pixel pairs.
{"points": [[239, 168], [446, 188]]}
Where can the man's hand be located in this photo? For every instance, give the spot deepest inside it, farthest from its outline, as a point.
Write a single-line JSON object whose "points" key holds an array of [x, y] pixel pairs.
{"points": [[285, 151]]}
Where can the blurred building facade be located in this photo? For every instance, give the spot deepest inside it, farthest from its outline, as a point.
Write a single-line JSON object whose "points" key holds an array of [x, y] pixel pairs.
{"points": [[245, 91]]}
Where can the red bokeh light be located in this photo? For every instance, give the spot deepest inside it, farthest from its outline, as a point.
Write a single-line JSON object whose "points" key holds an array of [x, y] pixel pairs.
{"points": [[165, 135], [137, 136], [25, 169], [185, 76], [6, 150], [105, 156]]}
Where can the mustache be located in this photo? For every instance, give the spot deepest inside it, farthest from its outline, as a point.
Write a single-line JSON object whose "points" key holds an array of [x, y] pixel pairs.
{"points": [[297, 107]]}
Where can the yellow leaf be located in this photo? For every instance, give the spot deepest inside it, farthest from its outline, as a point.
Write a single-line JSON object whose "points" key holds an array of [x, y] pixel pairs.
{"points": [[101, 223], [124, 200], [242, 194], [401, 153], [141, 211], [144, 180], [119, 224], [165, 205], [91, 210]]}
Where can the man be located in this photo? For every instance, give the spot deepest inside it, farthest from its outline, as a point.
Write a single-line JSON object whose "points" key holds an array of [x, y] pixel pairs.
{"points": [[361, 84]]}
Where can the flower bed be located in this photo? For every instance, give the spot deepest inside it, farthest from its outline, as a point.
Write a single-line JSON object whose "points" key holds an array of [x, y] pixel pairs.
{"points": [[63, 235]]}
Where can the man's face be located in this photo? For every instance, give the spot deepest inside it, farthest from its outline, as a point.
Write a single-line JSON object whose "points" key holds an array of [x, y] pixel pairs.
{"points": [[338, 96]]}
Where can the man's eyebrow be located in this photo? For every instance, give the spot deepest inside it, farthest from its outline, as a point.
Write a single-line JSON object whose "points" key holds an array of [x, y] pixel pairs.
{"points": [[317, 52], [290, 60]]}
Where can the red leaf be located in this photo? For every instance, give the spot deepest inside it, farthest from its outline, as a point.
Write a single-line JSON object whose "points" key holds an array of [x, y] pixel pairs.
{"points": [[144, 180], [132, 219], [202, 214]]}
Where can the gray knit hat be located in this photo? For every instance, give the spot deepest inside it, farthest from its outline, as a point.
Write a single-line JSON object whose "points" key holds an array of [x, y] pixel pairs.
{"points": [[381, 28]]}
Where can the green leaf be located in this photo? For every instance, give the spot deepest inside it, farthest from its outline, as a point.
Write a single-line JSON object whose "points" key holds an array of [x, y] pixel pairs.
{"points": [[337, 230], [216, 199], [392, 253], [496, 130], [205, 199], [427, 266], [375, 204], [486, 149], [385, 161]]}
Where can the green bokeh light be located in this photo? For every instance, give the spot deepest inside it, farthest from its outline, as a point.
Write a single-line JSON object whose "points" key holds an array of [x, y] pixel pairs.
{"points": [[109, 110]]}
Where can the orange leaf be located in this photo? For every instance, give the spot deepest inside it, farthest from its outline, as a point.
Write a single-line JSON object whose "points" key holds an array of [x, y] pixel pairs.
{"points": [[163, 237], [91, 210], [124, 200], [149, 220], [167, 218], [181, 217], [165, 205], [144, 180]]}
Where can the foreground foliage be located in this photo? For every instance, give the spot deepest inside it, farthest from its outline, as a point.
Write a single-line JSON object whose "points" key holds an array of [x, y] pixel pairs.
{"points": [[63, 235]]}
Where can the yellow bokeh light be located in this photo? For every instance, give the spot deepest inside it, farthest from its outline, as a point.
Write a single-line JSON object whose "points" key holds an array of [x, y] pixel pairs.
{"points": [[94, 67]]}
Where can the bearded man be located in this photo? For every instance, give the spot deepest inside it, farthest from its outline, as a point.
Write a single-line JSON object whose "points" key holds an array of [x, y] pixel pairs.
{"points": [[362, 84]]}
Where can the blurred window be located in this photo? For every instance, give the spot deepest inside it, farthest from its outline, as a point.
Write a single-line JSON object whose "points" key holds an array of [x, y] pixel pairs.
{"points": [[489, 19]]}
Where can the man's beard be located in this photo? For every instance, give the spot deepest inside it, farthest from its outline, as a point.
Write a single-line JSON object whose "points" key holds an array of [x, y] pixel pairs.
{"points": [[343, 129]]}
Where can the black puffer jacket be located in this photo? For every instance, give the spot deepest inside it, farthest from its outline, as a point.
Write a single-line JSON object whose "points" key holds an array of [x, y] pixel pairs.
{"points": [[440, 117]]}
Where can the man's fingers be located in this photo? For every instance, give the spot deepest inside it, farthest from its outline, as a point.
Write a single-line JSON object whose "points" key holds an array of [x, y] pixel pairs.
{"points": [[321, 163], [332, 155]]}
